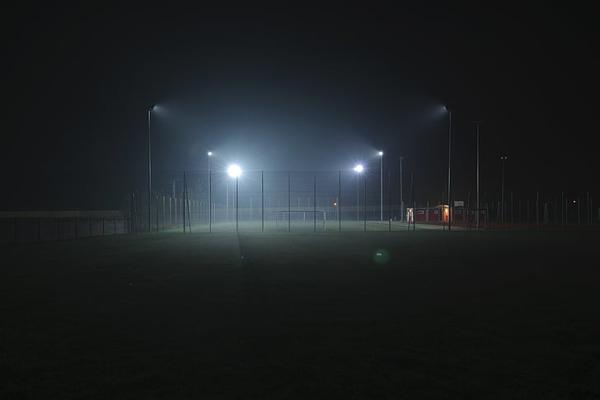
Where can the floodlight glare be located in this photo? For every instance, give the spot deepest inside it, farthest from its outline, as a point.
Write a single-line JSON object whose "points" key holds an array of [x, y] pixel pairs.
{"points": [[359, 168], [380, 153], [234, 171], [209, 153]]}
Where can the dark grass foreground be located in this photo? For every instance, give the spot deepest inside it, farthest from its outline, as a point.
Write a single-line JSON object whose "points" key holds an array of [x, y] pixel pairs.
{"points": [[460, 315]]}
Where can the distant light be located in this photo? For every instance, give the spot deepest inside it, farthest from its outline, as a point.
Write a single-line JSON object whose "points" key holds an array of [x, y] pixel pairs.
{"points": [[574, 202], [234, 171], [209, 153], [335, 204], [380, 153], [359, 168]]}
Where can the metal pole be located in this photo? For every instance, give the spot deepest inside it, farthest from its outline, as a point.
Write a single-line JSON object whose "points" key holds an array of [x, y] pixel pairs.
{"points": [[315, 203], [414, 204], [289, 202], [365, 204], [449, 170], [262, 200], [149, 173], [389, 196], [477, 214], [414, 213], [401, 190], [209, 198], [183, 203], [237, 204], [339, 202], [227, 201], [381, 188], [357, 197]]}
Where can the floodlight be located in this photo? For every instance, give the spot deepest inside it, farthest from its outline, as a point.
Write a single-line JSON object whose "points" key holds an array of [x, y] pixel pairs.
{"points": [[380, 153], [234, 171], [359, 168], [209, 153]]}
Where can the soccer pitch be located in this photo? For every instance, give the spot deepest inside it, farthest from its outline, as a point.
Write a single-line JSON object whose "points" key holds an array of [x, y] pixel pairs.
{"points": [[307, 226], [425, 314]]}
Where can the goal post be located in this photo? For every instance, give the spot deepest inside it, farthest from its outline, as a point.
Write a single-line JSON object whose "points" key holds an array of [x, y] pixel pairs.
{"points": [[308, 218]]}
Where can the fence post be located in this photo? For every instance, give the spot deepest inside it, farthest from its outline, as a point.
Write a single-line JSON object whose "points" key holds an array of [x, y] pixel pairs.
{"points": [[339, 201], [315, 203], [102, 226], [237, 204], [209, 200], [365, 204], [411, 202], [289, 202], [389, 196], [39, 230], [262, 200], [183, 203], [414, 203]]}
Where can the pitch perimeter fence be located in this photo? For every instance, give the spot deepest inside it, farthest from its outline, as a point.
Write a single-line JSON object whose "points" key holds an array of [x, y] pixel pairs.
{"points": [[337, 201], [36, 226]]}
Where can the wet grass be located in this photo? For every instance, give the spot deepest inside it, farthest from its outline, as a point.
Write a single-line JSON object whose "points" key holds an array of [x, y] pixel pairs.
{"points": [[424, 314]]}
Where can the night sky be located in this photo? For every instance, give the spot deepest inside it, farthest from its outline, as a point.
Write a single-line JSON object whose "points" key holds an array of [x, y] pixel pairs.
{"points": [[310, 89]]}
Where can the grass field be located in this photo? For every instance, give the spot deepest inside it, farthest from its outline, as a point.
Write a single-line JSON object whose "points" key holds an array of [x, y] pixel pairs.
{"points": [[425, 314]]}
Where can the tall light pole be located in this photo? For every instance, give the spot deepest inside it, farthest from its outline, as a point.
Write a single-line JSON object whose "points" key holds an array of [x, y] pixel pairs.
{"points": [[358, 168], [449, 167], [477, 212], [150, 109], [209, 156], [503, 159], [380, 185]]}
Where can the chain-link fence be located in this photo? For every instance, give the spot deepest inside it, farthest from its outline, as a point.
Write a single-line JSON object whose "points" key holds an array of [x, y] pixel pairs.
{"points": [[294, 201], [37, 226], [281, 201]]}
